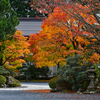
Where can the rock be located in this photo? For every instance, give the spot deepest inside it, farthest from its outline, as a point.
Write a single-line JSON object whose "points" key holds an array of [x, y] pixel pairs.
{"points": [[10, 79], [12, 82]]}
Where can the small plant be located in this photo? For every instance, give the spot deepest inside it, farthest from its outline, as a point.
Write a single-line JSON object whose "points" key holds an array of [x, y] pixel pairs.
{"points": [[2, 80]]}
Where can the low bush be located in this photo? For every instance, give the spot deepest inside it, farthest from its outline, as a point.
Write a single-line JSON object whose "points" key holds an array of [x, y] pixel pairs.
{"points": [[13, 84], [2, 80], [52, 83]]}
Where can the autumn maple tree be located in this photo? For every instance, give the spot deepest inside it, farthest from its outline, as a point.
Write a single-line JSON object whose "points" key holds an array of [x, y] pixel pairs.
{"points": [[45, 6], [51, 50], [52, 45], [78, 22], [77, 11], [68, 30], [13, 51]]}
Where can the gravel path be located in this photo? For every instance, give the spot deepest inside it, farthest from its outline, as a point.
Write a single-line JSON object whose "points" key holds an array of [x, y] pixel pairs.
{"points": [[19, 94]]}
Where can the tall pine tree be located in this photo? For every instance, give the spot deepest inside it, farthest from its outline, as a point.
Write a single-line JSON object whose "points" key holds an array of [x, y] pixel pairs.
{"points": [[8, 20]]}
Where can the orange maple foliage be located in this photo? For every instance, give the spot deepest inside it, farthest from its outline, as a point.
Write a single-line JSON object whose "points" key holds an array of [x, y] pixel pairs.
{"points": [[52, 45], [94, 58], [14, 50], [84, 14], [66, 31]]}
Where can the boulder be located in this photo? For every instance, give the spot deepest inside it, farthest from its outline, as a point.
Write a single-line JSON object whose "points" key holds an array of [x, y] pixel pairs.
{"points": [[12, 82], [9, 74]]}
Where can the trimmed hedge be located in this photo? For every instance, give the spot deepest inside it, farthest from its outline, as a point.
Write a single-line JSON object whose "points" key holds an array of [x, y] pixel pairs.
{"points": [[2, 80], [52, 83]]}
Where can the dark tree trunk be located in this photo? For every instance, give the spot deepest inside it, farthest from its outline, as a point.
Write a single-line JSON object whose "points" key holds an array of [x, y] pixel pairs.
{"points": [[58, 65], [1, 60], [1, 56]]}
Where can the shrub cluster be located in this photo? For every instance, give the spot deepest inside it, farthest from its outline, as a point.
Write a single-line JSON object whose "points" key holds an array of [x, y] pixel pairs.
{"points": [[74, 73], [33, 72]]}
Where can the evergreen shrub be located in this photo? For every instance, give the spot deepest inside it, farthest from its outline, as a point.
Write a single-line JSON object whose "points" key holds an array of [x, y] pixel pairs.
{"points": [[34, 72], [74, 72], [62, 84]]}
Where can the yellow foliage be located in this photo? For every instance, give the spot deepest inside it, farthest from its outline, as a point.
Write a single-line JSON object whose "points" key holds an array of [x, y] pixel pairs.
{"points": [[15, 48], [94, 58]]}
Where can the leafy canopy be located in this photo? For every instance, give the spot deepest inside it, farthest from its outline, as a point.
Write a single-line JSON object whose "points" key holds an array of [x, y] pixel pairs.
{"points": [[14, 50], [68, 30], [23, 8]]}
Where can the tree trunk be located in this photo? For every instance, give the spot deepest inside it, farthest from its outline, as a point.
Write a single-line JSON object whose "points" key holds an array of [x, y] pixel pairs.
{"points": [[58, 65], [1, 60], [1, 56]]}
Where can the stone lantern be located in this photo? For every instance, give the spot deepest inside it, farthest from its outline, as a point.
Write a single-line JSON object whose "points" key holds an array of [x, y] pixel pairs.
{"points": [[91, 87], [91, 77]]}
